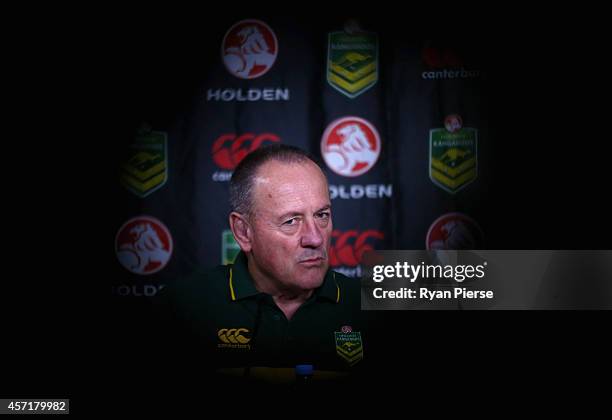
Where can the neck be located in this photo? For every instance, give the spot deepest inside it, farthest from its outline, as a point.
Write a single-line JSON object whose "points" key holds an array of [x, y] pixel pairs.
{"points": [[287, 299], [290, 304]]}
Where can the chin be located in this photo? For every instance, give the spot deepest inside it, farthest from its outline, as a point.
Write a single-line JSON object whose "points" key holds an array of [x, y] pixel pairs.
{"points": [[311, 280]]}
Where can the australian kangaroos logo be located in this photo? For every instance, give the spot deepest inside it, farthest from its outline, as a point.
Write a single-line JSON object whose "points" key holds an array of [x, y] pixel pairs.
{"points": [[349, 345], [352, 62], [453, 155], [145, 165], [249, 49]]}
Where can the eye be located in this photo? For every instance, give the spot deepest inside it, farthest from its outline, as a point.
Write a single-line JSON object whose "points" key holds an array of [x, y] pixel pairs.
{"points": [[290, 222], [323, 215]]}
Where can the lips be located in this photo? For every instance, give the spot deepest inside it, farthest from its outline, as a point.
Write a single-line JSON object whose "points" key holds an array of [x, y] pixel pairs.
{"points": [[312, 261]]}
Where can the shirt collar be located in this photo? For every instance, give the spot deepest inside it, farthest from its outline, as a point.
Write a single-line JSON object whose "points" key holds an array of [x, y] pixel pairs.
{"points": [[241, 284]]}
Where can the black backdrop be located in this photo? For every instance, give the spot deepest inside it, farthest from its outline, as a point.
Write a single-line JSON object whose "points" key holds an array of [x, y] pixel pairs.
{"points": [[545, 186]]}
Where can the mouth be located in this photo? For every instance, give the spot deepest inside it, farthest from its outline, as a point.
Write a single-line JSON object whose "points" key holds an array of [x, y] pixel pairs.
{"points": [[312, 262]]}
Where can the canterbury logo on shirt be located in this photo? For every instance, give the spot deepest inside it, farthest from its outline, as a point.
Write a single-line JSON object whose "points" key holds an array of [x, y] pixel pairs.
{"points": [[234, 338]]}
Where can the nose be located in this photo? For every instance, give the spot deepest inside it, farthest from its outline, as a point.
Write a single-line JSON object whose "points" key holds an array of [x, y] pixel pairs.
{"points": [[311, 235]]}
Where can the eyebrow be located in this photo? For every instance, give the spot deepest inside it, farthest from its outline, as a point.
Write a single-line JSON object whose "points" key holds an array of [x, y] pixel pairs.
{"points": [[297, 213]]}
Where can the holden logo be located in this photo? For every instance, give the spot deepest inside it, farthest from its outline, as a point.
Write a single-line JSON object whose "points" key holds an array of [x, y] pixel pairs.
{"points": [[229, 149], [143, 245], [453, 123], [454, 231], [350, 146], [249, 49]]}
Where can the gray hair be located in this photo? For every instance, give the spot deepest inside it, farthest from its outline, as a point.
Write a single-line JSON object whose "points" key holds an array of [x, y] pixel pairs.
{"points": [[242, 182]]}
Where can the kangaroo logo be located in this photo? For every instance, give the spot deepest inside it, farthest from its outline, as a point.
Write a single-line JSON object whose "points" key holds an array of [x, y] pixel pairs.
{"points": [[350, 146], [145, 165], [143, 245], [453, 157], [249, 49], [352, 61]]}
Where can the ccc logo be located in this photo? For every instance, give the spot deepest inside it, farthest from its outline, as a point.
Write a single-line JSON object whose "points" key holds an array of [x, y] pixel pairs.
{"points": [[233, 335], [438, 58], [349, 246], [229, 149]]}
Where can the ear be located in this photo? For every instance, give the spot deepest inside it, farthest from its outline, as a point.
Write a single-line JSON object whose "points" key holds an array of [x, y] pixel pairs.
{"points": [[242, 230]]}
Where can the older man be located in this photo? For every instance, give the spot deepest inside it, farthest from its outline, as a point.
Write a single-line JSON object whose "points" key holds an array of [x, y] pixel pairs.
{"points": [[279, 305]]}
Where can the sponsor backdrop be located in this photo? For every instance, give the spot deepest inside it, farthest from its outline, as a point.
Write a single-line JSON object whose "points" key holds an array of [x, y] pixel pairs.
{"points": [[400, 127]]}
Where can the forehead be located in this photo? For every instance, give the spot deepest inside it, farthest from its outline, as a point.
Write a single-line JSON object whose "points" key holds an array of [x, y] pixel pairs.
{"points": [[279, 186]]}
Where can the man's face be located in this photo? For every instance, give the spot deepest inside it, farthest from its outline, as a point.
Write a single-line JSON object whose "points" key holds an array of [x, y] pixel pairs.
{"points": [[291, 225]]}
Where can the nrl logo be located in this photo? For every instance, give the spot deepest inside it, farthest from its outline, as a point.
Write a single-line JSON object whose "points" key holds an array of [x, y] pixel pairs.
{"points": [[453, 160], [352, 62], [145, 165]]}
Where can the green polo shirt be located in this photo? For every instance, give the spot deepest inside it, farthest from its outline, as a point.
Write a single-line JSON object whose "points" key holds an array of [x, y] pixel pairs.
{"points": [[234, 325]]}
